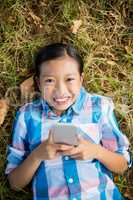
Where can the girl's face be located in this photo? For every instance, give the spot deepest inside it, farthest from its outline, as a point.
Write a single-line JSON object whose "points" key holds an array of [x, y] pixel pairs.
{"points": [[60, 82]]}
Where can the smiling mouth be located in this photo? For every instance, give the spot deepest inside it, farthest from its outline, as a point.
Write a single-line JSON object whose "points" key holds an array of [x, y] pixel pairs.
{"points": [[61, 101]]}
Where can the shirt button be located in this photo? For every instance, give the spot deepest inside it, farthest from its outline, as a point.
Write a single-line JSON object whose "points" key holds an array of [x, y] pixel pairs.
{"points": [[70, 180], [66, 157]]}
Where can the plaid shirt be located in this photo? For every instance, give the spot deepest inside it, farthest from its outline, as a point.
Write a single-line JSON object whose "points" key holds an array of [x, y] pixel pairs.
{"points": [[65, 178]]}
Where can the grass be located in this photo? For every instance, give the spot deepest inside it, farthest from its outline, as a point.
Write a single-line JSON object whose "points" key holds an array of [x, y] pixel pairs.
{"points": [[104, 39]]}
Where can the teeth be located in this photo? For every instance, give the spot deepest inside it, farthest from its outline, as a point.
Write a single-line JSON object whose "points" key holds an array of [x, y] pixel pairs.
{"points": [[61, 100]]}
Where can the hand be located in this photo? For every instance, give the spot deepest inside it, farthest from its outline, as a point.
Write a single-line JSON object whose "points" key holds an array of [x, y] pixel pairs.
{"points": [[85, 150], [47, 150]]}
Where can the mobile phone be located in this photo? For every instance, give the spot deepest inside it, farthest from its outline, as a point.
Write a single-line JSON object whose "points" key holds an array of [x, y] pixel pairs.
{"points": [[65, 133]]}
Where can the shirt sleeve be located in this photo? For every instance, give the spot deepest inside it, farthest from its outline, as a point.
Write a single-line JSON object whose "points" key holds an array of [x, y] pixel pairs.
{"points": [[112, 138], [18, 150]]}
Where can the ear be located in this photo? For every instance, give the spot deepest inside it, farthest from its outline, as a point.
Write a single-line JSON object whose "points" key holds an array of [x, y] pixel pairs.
{"points": [[82, 78]]}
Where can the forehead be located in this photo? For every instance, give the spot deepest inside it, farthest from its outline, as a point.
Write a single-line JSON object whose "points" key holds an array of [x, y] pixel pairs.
{"points": [[61, 65]]}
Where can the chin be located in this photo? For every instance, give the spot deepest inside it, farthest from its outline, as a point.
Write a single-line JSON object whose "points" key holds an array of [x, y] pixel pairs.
{"points": [[61, 109]]}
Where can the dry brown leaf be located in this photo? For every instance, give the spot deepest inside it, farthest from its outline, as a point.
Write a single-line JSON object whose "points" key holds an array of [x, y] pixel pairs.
{"points": [[3, 110], [109, 94], [129, 50], [128, 194], [76, 25], [111, 62], [36, 19], [27, 87], [124, 108]]}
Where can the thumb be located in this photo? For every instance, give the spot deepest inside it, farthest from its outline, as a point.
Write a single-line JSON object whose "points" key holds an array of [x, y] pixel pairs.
{"points": [[50, 138], [80, 138]]}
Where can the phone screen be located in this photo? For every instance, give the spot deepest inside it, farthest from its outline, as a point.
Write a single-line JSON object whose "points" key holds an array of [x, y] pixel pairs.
{"points": [[65, 133]]}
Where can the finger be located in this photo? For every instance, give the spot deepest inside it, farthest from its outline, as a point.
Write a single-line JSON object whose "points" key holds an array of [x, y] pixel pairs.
{"points": [[80, 138], [58, 154], [70, 152], [63, 147], [65, 153], [50, 138], [76, 156]]}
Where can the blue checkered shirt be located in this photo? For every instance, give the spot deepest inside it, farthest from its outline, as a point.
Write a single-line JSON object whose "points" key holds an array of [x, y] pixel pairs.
{"points": [[65, 178]]}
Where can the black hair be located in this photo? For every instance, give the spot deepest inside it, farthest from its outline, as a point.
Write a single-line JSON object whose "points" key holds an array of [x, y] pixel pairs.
{"points": [[54, 51]]}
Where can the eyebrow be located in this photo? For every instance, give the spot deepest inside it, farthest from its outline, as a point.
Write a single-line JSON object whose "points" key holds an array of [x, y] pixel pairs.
{"points": [[50, 75], [71, 74]]}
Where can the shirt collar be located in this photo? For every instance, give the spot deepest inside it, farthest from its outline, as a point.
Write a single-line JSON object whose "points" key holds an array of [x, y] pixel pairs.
{"points": [[47, 109], [76, 107]]}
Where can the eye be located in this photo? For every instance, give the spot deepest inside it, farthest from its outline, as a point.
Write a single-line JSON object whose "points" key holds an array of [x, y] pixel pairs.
{"points": [[50, 80], [70, 79]]}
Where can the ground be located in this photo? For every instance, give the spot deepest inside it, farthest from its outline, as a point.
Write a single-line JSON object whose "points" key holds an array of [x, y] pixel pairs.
{"points": [[102, 31]]}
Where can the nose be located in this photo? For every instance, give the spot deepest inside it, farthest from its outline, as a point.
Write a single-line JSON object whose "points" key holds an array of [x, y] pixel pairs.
{"points": [[60, 89]]}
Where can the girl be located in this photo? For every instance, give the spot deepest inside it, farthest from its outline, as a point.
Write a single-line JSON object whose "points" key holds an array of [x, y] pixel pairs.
{"points": [[59, 171]]}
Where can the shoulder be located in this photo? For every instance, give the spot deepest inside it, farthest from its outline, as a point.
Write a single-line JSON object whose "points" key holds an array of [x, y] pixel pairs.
{"points": [[29, 111], [31, 106], [94, 97], [103, 102]]}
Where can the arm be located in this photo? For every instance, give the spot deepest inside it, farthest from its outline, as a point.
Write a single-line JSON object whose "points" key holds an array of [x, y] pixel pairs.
{"points": [[111, 160], [87, 150], [21, 163], [26, 170], [112, 151]]}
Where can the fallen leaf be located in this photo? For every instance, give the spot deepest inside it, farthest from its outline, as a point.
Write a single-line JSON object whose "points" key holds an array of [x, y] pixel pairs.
{"points": [[111, 62], [109, 94], [76, 25], [129, 50], [27, 87], [128, 194], [124, 108], [36, 19], [3, 110]]}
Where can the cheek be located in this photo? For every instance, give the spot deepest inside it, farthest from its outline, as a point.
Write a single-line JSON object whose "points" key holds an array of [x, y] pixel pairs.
{"points": [[46, 91], [75, 88], [76, 85]]}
